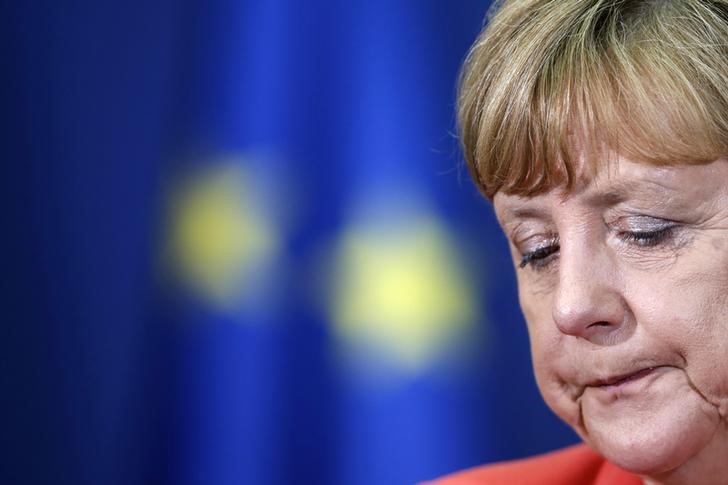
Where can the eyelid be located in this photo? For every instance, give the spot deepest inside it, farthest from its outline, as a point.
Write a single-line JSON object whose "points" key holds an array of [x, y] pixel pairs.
{"points": [[540, 254], [539, 258], [643, 223], [529, 242]]}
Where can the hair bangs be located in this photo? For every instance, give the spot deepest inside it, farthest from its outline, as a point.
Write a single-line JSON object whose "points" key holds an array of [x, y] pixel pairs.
{"points": [[562, 91]]}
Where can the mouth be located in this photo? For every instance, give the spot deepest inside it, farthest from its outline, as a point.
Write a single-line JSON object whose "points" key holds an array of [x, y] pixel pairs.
{"points": [[618, 380]]}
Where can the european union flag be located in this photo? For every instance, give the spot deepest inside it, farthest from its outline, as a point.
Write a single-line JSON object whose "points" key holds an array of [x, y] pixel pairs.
{"points": [[246, 252], [317, 147]]}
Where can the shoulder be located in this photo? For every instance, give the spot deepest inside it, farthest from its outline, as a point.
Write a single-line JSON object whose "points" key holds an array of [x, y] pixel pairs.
{"points": [[576, 464]]}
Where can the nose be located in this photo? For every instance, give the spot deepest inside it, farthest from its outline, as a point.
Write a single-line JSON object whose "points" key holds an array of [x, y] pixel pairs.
{"points": [[589, 301]]}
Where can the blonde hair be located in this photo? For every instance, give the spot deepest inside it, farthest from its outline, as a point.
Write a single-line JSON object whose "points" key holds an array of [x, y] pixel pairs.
{"points": [[647, 79]]}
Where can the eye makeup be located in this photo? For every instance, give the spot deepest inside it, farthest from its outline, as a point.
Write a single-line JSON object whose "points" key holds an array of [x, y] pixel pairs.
{"points": [[646, 231], [540, 256]]}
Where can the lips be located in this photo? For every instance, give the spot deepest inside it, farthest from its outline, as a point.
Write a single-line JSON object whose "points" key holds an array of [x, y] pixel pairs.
{"points": [[617, 380]]}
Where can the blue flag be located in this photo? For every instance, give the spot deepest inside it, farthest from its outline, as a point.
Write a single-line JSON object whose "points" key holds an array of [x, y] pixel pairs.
{"points": [[244, 250]]}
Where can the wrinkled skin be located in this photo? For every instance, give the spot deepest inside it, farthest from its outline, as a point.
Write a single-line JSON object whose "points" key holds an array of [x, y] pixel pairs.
{"points": [[623, 281]]}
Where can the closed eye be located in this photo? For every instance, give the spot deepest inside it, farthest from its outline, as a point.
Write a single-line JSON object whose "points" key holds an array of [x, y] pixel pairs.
{"points": [[539, 257], [648, 238]]}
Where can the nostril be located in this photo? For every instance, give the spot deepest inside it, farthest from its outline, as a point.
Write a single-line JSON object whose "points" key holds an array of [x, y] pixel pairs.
{"points": [[599, 324]]}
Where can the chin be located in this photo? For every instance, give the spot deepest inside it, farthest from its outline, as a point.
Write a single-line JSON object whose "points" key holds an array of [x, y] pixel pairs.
{"points": [[649, 457], [649, 427], [654, 446]]}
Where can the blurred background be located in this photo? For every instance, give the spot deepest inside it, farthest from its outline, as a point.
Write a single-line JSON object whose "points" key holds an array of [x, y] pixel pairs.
{"points": [[240, 247]]}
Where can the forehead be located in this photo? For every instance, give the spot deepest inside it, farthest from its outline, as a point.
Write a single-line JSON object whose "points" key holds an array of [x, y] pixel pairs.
{"points": [[622, 180]]}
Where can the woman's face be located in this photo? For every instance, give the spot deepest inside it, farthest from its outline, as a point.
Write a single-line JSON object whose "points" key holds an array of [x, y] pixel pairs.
{"points": [[624, 285]]}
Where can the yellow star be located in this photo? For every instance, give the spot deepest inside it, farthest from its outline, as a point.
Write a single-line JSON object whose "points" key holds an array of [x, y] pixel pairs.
{"points": [[217, 234], [401, 290]]}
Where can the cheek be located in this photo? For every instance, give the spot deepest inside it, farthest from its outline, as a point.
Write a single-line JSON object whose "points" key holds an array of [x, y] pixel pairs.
{"points": [[549, 365], [705, 349], [690, 316], [560, 396]]}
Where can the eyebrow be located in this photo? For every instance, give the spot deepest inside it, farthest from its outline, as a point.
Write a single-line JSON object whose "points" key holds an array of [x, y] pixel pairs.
{"points": [[619, 191], [610, 198], [527, 212], [514, 215]]}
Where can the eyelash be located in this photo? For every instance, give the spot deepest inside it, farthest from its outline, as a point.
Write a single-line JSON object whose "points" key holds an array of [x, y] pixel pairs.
{"points": [[648, 239], [539, 258]]}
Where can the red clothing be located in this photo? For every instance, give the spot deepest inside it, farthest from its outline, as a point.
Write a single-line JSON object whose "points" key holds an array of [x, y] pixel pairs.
{"points": [[575, 465]]}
